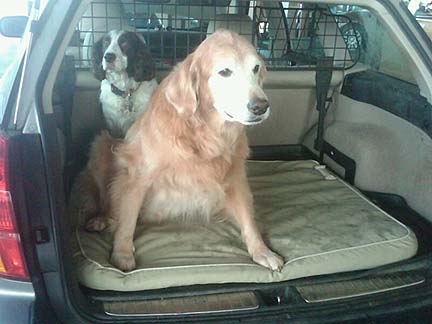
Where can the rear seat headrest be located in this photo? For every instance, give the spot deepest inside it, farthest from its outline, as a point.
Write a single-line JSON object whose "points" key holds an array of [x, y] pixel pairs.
{"points": [[239, 23]]}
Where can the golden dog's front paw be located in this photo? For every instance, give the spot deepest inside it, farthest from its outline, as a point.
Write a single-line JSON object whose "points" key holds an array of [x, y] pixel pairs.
{"points": [[123, 261], [267, 258]]}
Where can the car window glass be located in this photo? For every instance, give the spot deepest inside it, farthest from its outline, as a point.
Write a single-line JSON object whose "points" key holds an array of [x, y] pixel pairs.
{"points": [[9, 46], [422, 11], [378, 50]]}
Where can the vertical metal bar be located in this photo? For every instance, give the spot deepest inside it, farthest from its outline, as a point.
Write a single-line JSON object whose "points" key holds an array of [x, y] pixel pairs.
{"points": [[285, 23], [214, 17], [345, 51], [121, 19], [255, 29], [106, 17], [80, 59], [278, 28], [175, 33], [92, 33], [324, 36], [188, 35], [312, 29], [134, 14], [202, 17], [161, 34], [148, 39], [322, 81], [335, 45]]}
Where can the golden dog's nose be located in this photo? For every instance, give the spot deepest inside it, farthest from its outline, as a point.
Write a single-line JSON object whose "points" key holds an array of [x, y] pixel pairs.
{"points": [[258, 106]]}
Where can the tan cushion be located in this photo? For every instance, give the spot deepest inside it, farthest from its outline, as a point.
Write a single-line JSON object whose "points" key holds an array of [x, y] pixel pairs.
{"points": [[319, 226]]}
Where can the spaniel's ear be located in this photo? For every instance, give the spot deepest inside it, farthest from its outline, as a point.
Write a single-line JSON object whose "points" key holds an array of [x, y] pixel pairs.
{"points": [[140, 63], [97, 55], [181, 89]]}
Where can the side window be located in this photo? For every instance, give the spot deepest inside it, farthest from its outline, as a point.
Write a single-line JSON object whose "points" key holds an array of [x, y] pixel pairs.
{"points": [[297, 35], [9, 47], [377, 49], [422, 12], [389, 82]]}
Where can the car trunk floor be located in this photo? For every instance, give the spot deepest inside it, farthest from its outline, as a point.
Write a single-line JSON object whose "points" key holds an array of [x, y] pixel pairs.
{"points": [[317, 222]]}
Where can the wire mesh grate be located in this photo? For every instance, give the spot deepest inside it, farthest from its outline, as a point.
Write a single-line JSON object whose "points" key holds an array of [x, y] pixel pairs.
{"points": [[287, 35]]}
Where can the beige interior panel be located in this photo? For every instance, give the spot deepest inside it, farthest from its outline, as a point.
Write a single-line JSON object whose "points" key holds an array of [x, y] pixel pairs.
{"points": [[87, 117], [292, 98], [291, 94], [391, 154], [292, 114]]}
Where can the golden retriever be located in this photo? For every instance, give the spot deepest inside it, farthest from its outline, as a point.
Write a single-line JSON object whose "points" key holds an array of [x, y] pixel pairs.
{"points": [[184, 158]]}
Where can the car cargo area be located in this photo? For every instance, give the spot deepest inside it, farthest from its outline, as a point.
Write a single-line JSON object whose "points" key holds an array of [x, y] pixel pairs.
{"points": [[338, 192], [337, 243]]}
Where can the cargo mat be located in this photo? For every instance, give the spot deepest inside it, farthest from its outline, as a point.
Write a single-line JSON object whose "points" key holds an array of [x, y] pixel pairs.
{"points": [[317, 222]]}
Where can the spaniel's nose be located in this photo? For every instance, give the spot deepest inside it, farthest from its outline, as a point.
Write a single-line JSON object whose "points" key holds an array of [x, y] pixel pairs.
{"points": [[109, 57], [258, 106]]}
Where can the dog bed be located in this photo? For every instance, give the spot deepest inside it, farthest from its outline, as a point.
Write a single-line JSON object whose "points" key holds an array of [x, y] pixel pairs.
{"points": [[317, 222]]}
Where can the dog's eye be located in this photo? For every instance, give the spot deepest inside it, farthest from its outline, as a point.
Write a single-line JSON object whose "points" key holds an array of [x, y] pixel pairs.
{"points": [[225, 73], [124, 45], [255, 69]]}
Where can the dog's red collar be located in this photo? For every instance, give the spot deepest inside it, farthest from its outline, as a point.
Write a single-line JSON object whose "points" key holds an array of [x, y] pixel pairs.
{"points": [[125, 94], [119, 92]]}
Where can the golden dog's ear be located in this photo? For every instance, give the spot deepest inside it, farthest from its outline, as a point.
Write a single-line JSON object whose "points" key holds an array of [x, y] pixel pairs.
{"points": [[181, 89]]}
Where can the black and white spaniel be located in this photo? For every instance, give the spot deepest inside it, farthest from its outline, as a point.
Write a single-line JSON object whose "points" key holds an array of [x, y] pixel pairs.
{"points": [[123, 63]]}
